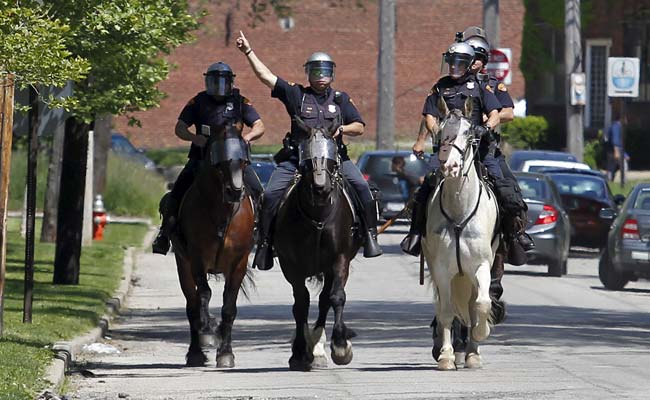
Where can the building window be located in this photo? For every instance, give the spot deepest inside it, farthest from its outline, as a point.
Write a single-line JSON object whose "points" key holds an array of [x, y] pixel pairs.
{"points": [[597, 109], [287, 23]]}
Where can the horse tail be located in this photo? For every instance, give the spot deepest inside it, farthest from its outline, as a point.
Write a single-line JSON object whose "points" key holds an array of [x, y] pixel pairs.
{"points": [[461, 292], [248, 284]]}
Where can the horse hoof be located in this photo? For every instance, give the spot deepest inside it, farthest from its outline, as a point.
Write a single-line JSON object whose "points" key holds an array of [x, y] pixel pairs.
{"points": [[195, 359], [473, 361], [226, 360], [446, 365], [207, 340], [342, 355], [299, 365], [320, 362], [459, 358]]}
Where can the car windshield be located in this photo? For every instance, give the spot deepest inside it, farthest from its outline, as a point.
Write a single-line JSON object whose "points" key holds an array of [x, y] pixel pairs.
{"points": [[587, 186], [642, 200], [533, 188]]}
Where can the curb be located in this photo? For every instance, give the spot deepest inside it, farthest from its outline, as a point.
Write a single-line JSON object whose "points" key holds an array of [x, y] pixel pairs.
{"points": [[65, 352]]}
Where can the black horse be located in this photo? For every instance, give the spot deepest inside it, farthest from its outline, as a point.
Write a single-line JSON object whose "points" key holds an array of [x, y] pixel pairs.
{"points": [[214, 235], [315, 236]]}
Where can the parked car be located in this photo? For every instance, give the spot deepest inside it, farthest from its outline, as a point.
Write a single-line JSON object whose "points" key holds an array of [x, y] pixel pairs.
{"points": [[122, 147], [264, 169], [517, 158], [590, 204], [376, 167], [627, 254], [541, 165], [548, 222]]}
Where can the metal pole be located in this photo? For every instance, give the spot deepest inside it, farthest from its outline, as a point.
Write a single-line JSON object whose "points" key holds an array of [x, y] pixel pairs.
{"points": [[491, 22], [621, 160], [6, 136], [573, 63], [32, 157], [386, 76]]}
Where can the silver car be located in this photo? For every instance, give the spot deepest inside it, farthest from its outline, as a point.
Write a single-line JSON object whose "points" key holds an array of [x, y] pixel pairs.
{"points": [[548, 223], [626, 256]]}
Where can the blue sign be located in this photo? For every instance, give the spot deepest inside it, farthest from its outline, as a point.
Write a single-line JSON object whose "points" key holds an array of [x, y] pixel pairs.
{"points": [[622, 77]]}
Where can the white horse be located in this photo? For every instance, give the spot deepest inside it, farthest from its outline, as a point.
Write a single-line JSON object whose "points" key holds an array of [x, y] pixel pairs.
{"points": [[460, 243]]}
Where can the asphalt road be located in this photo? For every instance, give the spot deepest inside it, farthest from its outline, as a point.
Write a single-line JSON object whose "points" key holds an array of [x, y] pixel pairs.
{"points": [[564, 338]]}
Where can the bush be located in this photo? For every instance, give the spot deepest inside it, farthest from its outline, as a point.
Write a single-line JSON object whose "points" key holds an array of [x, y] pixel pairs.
{"points": [[169, 157], [594, 153], [131, 189], [525, 133]]}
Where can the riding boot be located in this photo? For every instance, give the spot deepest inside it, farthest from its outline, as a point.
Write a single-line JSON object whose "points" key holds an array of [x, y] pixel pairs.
{"points": [[411, 243], [371, 247], [168, 209], [525, 241], [264, 254]]}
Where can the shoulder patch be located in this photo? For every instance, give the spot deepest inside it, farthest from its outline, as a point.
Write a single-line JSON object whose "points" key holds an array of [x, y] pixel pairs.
{"points": [[291, 83], [351, 102], [502, 87], [489, 88], [246, 101]]}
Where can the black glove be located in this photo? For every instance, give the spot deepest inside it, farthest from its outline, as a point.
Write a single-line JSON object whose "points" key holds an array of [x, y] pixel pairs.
{"points": [[481, 131]]}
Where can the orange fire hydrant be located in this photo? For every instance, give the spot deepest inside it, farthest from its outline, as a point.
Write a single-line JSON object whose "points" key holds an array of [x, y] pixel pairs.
{"points": [[100, 219]]}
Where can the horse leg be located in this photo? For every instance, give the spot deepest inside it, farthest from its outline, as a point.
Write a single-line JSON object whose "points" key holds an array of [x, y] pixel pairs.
{"points": [[459, 335], [206, 330], [194, 356], [482, 305], [445, 316], [340, 345], [317, 337], [473, 355], [225, 357], [301, 359]]}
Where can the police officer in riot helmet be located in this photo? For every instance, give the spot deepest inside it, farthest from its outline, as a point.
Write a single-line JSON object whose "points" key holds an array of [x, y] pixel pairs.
{"points": [[508, 191], [458, 85], [220, 104], [317, 105]]}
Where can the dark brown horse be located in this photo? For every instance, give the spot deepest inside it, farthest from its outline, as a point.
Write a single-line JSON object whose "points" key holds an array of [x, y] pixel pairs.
{"points": [[214, 235], [315, 237]]}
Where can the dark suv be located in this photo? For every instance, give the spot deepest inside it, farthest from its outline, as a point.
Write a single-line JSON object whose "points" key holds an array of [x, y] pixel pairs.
{"points": [[378, 167]]}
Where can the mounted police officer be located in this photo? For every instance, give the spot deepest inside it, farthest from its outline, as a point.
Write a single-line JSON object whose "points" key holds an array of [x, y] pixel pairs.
{"points": [[458, 85], [220, 104], [318, 105]]}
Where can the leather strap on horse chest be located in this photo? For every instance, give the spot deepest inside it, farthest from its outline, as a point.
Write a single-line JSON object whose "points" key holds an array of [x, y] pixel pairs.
{"points": [[458, 228]]}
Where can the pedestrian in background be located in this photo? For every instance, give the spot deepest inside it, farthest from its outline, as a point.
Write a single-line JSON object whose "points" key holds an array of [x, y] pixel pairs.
{"points": [[614, 145]]}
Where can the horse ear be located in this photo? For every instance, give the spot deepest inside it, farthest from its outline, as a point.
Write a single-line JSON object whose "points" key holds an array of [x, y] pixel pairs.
{"points": [[301, 124], [442, 107], [468, 108]]}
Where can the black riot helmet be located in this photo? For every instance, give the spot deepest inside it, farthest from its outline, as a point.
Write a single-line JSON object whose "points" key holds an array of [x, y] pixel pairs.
{"points": [[477, 38], [219, 80], [457, 60]]}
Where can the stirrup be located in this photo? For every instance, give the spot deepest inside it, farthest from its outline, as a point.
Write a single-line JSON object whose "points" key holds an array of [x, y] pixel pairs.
{"points": [[371, 247], [160, 244], [411, 244], [525, 241], [263, 257]]}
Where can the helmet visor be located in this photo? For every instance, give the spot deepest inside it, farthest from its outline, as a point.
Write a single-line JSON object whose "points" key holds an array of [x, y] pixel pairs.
{"points": [[219, 85], [455, 65], [318, 70]]}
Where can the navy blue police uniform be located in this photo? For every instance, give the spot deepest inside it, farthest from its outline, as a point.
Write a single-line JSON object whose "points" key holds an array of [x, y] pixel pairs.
{"points": [[455, 92], [316, 110], [204, 109]]}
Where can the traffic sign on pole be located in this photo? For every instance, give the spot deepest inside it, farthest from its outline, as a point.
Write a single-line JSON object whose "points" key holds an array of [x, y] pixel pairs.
{"points": [[499, 65]]}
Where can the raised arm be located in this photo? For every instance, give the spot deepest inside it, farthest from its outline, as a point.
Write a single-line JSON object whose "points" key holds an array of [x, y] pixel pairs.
{"points": [[261, 71]]}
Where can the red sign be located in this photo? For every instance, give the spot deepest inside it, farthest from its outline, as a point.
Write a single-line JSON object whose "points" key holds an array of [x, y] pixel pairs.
{"points": [[498, 65]]}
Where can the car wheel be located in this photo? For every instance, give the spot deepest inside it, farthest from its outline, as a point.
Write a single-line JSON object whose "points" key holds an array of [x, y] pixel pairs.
{"points": [[556, 267], [611, 279]]}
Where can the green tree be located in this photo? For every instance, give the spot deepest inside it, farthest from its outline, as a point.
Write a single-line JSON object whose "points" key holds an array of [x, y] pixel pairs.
{"points": [[525, 133]]}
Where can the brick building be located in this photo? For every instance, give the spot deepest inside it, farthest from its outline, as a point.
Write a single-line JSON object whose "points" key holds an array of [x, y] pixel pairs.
{"points": [[350, 34]]}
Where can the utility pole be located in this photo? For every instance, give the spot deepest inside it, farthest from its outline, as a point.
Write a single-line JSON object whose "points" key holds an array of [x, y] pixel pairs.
{"points": [[386, 76], [573, 64], [491, 22]]}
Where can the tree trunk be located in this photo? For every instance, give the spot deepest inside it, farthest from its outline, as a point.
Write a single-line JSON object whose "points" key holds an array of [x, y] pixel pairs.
{"points": [[102, 147], [50, 208], [71, 203], [386, 76]]}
